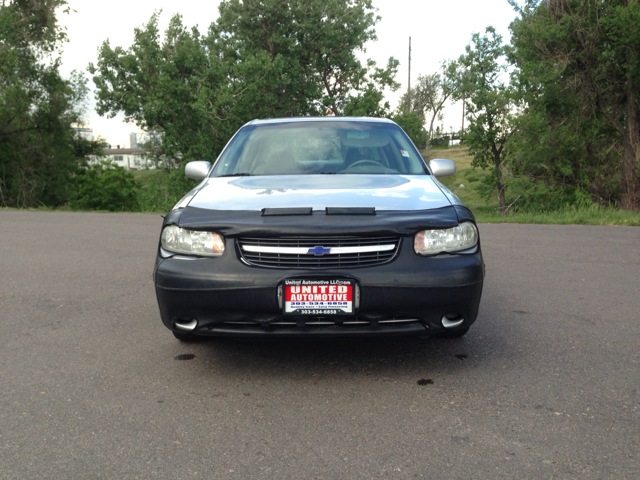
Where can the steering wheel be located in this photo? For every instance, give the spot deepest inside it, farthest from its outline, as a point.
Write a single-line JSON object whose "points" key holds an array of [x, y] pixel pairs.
{"points": [[364, 161]]}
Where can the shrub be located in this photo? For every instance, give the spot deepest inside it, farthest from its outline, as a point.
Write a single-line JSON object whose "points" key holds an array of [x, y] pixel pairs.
{"points": [[104, 186], [439, 142], [540, 197], [160, 190]]}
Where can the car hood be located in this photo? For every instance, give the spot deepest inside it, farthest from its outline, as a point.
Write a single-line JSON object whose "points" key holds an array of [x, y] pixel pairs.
{"points": [[382, 192]]}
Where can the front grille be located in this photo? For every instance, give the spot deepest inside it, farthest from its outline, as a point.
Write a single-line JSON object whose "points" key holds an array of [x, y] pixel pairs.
{"points": [[319, 259]]}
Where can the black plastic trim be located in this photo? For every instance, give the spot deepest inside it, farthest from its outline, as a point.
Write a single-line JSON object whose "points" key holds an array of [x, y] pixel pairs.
{"points": [[286, 211], [350, 210]]}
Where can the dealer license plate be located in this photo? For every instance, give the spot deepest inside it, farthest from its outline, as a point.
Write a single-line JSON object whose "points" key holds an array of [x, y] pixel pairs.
{"points": [[318, 296]]}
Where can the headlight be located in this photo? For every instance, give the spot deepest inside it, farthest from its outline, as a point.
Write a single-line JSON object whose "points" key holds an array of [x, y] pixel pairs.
{"points": [[191, 242], [430, 242]]}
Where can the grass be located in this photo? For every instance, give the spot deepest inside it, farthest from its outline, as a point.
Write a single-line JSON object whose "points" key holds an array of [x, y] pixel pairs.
{"points": [[590, 215], [467, 177]]}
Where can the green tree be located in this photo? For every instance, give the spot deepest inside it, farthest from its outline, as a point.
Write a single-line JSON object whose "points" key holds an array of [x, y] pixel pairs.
{"points": [[411, 123], [40, 150], [491, 107], [370, 101], [431, 92], [162, 85], [586, 55], [315, 41], [260, 59], [561, 154]]}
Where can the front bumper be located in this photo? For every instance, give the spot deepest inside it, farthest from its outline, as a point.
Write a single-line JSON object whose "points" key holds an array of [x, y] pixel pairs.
{"points": [[407, 296]]}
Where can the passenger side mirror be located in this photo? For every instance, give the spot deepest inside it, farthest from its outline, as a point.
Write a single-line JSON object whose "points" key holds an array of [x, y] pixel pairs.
{"points": [[441, 167], [197, 170]]}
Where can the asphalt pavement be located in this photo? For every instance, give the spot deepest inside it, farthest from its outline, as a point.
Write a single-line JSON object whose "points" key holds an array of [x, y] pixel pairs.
{"points": [[546, 384]]}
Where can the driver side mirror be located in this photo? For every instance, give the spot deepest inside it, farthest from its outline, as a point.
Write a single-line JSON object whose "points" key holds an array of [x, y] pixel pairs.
{"points": [[197, 170], [441, 167]]}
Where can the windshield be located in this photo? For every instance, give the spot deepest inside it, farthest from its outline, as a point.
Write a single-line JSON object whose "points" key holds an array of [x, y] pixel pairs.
{"points": [[308, 147]]}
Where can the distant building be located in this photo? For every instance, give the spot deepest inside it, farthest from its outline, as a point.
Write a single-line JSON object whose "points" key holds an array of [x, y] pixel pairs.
{"points": [[148, 138], [128, 158], [85, 133], [133, 140]]}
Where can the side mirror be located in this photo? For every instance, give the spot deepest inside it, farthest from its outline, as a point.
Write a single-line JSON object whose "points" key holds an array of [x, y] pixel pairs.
{"points": [[441, 167], [197, 170]]}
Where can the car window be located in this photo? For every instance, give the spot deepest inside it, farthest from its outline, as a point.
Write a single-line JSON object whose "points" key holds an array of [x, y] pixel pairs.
{"points": [[308, 147]]}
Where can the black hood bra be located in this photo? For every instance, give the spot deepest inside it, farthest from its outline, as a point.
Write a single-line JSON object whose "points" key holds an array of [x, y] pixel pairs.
{"points": [[232, 223]]}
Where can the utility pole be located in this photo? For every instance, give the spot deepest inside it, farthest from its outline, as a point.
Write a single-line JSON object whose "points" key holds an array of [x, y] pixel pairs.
{"points": [[409, 80]]}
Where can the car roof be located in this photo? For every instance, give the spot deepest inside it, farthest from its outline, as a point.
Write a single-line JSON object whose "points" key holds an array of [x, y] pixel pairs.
{"points": [[318, 119]]}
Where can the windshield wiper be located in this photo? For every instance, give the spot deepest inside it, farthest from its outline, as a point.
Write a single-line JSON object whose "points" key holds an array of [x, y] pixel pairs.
{"points": [[237, 175], [329, 173]]}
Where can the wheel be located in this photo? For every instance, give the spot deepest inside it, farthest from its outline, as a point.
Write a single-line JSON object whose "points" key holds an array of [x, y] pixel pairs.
{"points": [[454, 333], [184, 337]]}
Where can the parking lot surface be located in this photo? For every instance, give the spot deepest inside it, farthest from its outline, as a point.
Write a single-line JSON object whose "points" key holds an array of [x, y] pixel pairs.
{"points": [[546, 384]]}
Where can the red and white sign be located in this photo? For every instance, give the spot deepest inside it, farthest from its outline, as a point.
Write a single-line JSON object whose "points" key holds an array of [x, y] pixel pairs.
{"points": [[318, 297]]}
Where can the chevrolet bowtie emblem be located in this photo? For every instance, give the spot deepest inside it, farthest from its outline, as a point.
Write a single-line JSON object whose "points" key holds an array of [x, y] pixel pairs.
{"points": [[319, 251]]}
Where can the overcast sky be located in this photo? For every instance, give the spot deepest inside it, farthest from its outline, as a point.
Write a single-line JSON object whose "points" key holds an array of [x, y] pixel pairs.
{"points": [[439, 30]]}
